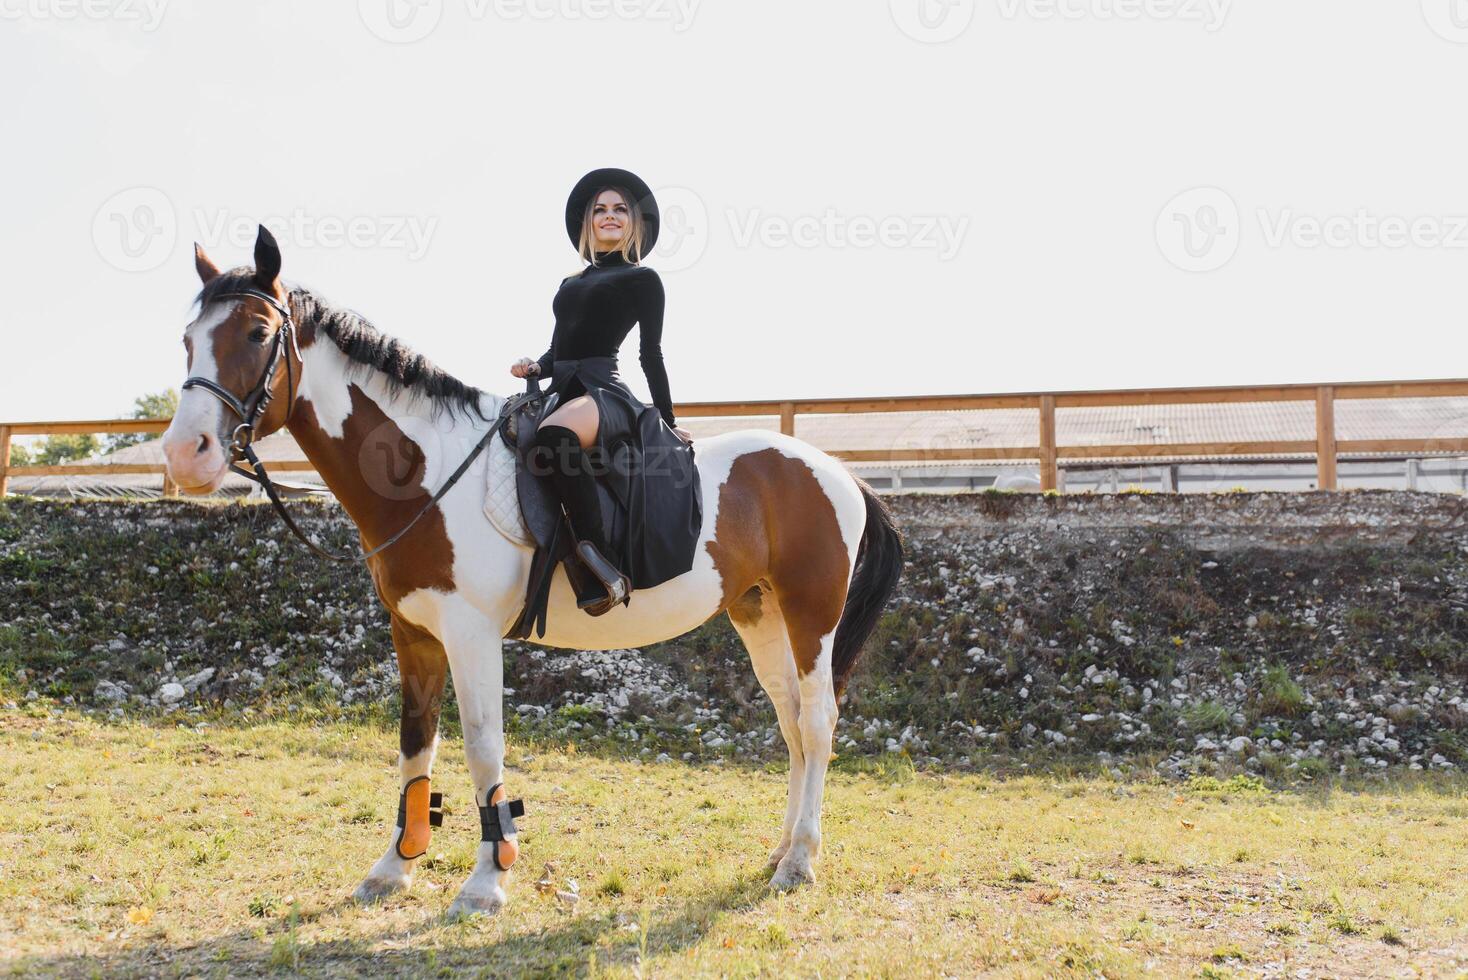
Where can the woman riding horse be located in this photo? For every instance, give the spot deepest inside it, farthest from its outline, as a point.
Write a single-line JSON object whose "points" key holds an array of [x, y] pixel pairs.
{"points": [[595, 426]]}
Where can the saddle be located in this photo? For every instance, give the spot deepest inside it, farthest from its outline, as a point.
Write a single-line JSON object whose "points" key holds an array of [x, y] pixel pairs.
{"points": [[540, 512]]}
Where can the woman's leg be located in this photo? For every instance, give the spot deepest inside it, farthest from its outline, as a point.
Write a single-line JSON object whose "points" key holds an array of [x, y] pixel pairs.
{"points": [[562, 438], [580, 416]]}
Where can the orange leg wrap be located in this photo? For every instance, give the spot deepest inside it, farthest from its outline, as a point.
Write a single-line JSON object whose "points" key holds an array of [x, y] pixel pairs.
{"points": [[419, 810], [493, 819]]}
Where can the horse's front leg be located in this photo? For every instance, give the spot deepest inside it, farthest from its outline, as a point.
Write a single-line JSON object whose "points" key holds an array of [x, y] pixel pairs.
{"points": [[422, 669], [476, 657]]}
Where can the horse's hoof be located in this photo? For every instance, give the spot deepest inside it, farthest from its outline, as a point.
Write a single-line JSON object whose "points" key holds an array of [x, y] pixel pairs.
{"points": [[376, 889], [469, 905], [789, 876]]}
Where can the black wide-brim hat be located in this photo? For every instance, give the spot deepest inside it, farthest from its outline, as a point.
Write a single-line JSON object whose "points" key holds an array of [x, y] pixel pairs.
{"points": [[598, 180]]}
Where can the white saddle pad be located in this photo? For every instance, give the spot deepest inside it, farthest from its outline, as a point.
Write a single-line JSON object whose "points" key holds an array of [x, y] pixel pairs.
{"points": [[501, 501]]}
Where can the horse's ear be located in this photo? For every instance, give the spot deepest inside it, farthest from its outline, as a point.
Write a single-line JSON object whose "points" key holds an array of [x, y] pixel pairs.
{"points": [[206, 267], [267, 260]]}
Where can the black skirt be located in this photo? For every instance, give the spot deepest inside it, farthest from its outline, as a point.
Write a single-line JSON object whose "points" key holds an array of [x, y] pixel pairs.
{"points": [[657, 509]]}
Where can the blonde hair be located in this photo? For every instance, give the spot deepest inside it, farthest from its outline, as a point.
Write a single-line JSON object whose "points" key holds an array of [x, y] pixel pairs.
{"points": [[632, 237]]}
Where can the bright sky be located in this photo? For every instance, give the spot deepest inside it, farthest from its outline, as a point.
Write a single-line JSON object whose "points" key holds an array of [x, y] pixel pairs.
{"points": [[904, 197]]}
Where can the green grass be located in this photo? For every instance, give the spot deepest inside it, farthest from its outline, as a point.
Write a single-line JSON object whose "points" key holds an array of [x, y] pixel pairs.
{"points": [[1206, 716], [1279, 694], [137, 849]]}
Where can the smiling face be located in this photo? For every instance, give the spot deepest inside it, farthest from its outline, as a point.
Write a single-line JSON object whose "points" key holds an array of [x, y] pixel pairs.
{"points": [[229, 343], [611, 218]]}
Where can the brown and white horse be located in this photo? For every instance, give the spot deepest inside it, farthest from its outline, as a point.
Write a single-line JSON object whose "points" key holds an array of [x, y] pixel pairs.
{"points": [[799, 553]]}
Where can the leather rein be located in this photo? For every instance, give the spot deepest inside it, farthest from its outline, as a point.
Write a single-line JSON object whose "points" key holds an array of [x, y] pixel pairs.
{"points": [[250, 410]]}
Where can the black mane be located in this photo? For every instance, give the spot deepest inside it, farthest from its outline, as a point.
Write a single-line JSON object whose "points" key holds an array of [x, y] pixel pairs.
{"points": [[364, 344]]}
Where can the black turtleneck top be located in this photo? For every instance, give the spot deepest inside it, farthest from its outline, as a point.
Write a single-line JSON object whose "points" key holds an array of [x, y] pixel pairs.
{"points": [[596, 310]]}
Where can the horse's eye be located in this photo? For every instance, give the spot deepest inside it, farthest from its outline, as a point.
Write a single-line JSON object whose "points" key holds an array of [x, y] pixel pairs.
{"points": [[258, 335]]}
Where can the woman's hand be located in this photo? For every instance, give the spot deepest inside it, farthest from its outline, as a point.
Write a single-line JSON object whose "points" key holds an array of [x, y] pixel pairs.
{"points": [[525, 367], [683, 433]]}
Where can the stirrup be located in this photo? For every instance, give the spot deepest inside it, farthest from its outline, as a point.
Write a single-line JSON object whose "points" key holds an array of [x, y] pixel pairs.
{"points": [[616, 582]]}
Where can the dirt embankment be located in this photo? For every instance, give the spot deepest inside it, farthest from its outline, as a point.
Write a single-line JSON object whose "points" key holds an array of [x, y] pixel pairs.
{"points": [[1289, 634]]}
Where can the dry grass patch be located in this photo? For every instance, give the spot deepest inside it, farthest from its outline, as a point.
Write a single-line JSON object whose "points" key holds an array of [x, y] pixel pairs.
{"points": [[137, 850]]}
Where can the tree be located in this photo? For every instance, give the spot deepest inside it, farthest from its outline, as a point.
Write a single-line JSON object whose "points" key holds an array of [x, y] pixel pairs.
{"points": [[159, 405], [61, 449]]}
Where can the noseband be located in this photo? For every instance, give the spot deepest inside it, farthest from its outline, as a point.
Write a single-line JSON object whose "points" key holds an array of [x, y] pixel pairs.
{"points": [[257, 400]]}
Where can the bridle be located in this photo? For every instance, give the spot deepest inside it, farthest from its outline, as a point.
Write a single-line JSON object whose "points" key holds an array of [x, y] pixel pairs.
{"points": [[251, 409]]}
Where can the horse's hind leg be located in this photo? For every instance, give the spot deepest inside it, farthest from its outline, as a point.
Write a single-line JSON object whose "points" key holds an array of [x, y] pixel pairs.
{"points": [[756, 617], [422, 669]]}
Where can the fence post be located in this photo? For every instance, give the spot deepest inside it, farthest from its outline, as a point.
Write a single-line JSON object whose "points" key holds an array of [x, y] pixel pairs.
{"points": [[787, 418], [1049, 479], [170, 489], [1325, 469], [4, 459]]}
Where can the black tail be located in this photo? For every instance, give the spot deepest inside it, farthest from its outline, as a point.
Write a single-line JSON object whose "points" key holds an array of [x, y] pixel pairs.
{"points": [[878, 567]]}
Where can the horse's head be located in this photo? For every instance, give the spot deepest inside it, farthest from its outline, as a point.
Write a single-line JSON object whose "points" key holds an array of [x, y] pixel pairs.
{"points": [[243, 365]]}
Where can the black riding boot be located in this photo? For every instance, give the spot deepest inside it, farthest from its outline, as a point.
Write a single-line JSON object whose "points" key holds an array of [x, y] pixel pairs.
{"points": [[570, 474]]}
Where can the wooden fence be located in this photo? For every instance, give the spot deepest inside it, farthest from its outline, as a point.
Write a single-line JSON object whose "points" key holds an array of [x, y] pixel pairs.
{"points": [[1325, 446]]}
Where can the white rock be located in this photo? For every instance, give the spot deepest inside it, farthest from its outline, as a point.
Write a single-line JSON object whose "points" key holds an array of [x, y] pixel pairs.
{"points": [[1240, 744], [193, 682], [171, 693]]}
